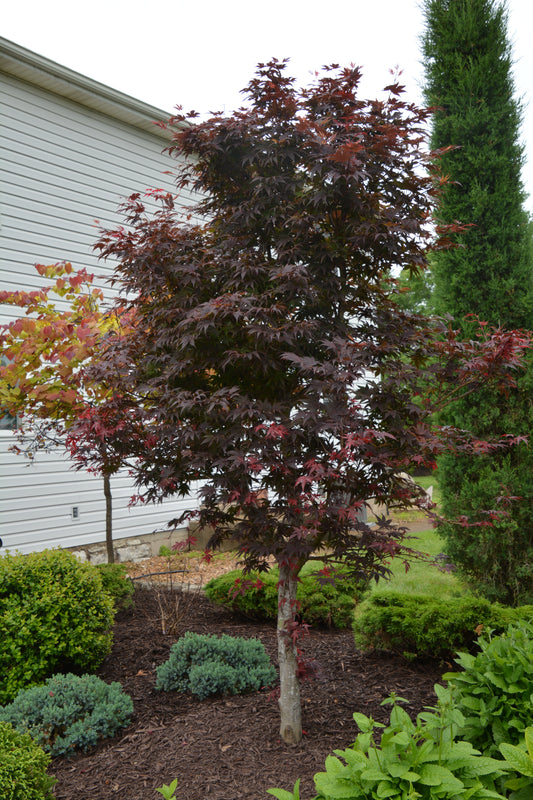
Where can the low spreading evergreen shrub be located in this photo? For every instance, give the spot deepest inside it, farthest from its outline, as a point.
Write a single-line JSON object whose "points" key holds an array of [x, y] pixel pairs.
{"points": [[206, 665], [23, 767], [116, 583], [256, 596], [55, 616], [494, 689], [420, 626], [69, 712], [419, 759]]}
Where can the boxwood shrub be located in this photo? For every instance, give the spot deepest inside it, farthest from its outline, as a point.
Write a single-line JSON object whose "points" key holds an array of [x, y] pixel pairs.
{"points": [[422, 626], [55, 616], [23, 767], [116, 582], [326, 604]]}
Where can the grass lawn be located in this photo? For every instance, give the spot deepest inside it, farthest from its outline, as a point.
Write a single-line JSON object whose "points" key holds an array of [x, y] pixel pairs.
{"points": [[423, 578]]}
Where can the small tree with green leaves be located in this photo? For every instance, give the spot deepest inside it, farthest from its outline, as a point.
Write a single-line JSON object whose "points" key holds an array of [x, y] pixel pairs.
{"points": [[43, 380]]}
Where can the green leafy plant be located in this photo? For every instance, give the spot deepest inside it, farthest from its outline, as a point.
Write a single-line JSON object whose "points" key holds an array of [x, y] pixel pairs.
{"points": [[283, 794], [412, 760], [69, 712], [23, 767], [420, 625], [206, 665], [494, 688], [521, 761], [320, 603], [55, 616], [116, 582], [168, 790]]}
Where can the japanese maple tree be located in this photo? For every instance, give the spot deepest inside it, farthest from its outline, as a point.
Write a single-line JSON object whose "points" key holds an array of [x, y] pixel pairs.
{"points": [[43, 380], [270, 358]]}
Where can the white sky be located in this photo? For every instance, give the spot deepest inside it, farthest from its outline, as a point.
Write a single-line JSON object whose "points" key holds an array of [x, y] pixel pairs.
{"points": [[200, 54]]}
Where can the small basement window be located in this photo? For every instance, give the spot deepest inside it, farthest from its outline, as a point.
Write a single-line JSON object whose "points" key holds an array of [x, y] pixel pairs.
{"points": [[7, 422]]}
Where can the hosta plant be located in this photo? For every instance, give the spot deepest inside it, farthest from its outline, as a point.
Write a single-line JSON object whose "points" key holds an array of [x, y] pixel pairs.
{"points": [[520, 759], [419, 760], [494, 689]]}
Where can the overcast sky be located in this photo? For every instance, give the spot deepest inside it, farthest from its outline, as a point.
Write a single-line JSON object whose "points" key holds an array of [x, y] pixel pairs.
{"points": [[200, 54]]}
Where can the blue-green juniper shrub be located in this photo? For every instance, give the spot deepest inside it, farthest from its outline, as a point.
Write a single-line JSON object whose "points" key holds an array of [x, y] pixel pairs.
{"points": [[206, 665], [69, 712]]}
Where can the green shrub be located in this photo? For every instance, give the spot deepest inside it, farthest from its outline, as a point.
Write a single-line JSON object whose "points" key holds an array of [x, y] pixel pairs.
{"points": [[320, 604], [206, 665], [494, 690], [54, 617], [23, 767], [419, 625], [412, 760], [116, 583], [69, 712], [254, 595]]}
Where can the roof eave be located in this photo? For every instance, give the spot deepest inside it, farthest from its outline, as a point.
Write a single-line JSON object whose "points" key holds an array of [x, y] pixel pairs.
{"points": [[35, 69]]}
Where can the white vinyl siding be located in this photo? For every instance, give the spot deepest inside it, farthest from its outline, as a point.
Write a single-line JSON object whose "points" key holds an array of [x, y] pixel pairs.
{"points": [[36, 502], [64, 169]]}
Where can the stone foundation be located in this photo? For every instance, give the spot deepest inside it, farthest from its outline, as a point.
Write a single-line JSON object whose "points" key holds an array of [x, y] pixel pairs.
{"points": [[132, 548]]}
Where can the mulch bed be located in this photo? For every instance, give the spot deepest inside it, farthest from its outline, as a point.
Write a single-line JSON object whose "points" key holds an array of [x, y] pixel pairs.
{"points": [[227, 748]]}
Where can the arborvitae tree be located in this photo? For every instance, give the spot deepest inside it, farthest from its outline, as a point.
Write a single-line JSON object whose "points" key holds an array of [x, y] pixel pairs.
{"points": [[468, 64], [415, 291]]}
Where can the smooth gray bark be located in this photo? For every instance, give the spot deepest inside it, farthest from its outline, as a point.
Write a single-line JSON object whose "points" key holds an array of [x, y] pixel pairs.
{"points": [[108, 520], [289, 697]]}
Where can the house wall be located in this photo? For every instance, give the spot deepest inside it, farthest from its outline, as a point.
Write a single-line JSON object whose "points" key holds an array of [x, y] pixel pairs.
{"points": [[64, 168]]}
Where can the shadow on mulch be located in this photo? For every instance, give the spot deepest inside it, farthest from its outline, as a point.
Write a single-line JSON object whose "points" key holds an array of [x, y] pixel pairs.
{"points": [[229, 748]]}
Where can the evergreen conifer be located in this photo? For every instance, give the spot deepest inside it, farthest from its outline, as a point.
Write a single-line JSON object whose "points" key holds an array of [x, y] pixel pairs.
{"points": [[468, 68]]}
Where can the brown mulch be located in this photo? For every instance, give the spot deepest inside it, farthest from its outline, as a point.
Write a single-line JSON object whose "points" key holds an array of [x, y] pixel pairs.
{"points": [[190, 568], [227, 748]]}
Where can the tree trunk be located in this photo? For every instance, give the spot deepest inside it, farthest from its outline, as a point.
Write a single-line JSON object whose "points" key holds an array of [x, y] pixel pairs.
{"points": [[108, 520], [289, 696]]}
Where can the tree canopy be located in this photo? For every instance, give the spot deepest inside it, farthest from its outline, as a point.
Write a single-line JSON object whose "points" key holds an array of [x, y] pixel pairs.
{"points": [[269, 360], [44, 383]]}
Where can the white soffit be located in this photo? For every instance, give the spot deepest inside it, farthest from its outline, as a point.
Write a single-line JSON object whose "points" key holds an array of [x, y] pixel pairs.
{"points": [[35, 69]]}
